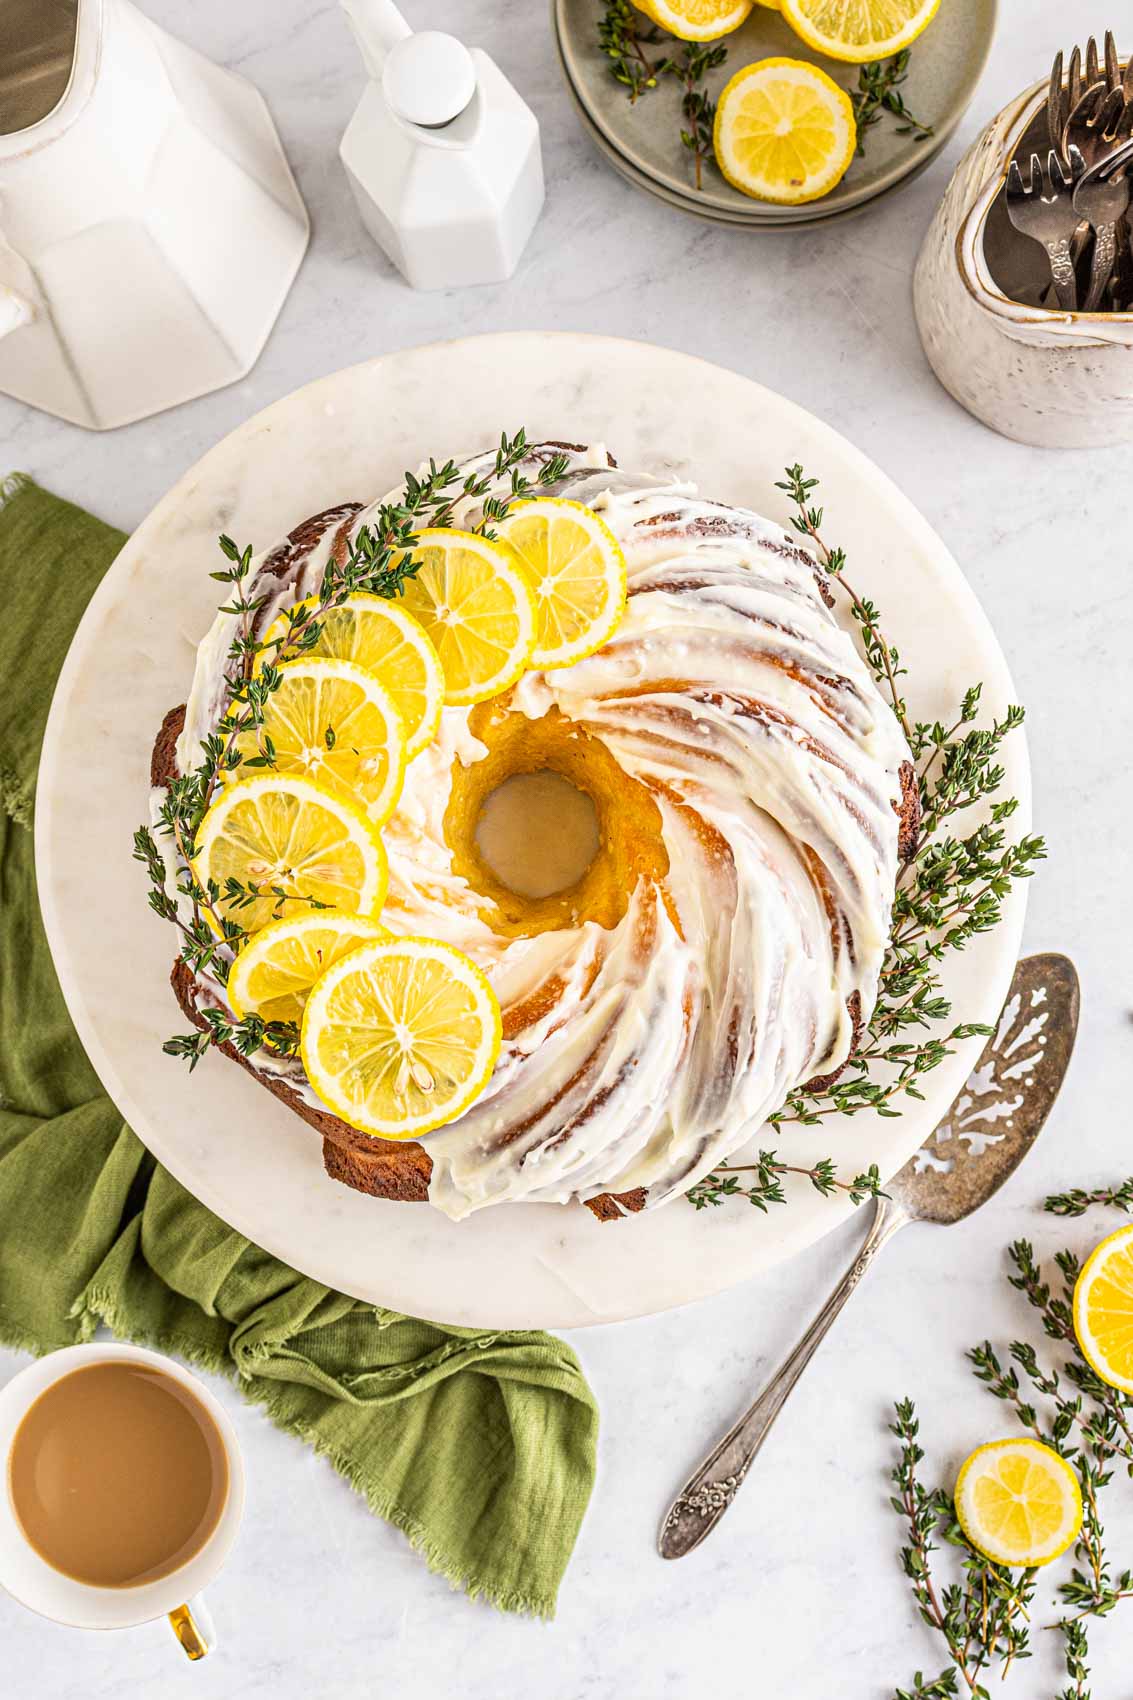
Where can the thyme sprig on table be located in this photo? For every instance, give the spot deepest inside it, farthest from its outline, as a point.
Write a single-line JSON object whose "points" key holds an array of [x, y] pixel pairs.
{"points": [[379, 560], [878, 91], [949, 889], [1064, 1404]]}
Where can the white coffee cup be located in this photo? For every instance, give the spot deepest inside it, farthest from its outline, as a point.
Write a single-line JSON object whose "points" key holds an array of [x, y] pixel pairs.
{"points": [[39, 1586]]}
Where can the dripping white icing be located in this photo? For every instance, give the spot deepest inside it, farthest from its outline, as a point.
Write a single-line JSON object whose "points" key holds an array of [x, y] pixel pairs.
{"points": [[732, 693]]}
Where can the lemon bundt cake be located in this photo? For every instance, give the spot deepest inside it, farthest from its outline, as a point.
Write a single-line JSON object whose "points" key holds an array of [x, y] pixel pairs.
{"points": [[754, 796]]}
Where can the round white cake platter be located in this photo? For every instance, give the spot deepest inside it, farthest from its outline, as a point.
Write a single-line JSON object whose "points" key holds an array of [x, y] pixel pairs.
{"points": [[352, 435]]}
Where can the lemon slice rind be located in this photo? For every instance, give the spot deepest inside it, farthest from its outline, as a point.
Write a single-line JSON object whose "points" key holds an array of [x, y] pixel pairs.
{"points": [[741, 133], [249, 981], [417, 687], [364, 882], [340, 762], [1104, 1290], [556, 606], [1025, 1483], [370, 973], [855, 47], [697, 20], [506, 632]]}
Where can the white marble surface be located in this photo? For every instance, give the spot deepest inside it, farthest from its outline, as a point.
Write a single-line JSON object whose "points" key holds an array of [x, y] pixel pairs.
{"points": [[799, 1591]]}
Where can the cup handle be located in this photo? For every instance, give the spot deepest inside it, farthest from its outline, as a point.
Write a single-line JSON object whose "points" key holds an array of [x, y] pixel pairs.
{"points": [[193, 1627]]}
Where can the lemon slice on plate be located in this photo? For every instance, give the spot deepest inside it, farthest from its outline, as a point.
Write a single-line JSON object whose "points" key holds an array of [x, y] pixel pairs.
{"points": [[1103, 1309], [696, 20], [282, 837], [376, 634], [273, 974], [576, 569], [784, 132], [1019, 1502], [401, 1037], [476, 606], [857, 30], [333, 722]]}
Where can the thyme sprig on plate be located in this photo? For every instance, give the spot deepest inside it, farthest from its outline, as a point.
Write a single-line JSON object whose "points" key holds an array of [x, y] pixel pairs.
{"points": [[767, 1188], [623, 35], [949, 889], [1063, 1403], [379, 560], [878, 91]]}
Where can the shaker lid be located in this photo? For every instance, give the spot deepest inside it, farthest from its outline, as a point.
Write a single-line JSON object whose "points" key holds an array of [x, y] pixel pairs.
{"points": [[429, 78]]}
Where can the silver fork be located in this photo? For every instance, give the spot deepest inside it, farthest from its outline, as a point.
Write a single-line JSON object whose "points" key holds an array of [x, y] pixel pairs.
{"points": [[1043, 209], [1097, 130], [1102, 197]]}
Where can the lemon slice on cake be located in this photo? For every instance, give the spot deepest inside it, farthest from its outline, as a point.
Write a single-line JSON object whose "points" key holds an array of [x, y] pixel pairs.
{"points": [[858, 30], [283, 838], [332, 721], [1019, 1502], [1103, 1309], [697, 20], [376, 634], [273, 974], [577, 571], [477, 608], [784, 132], [401, 1037]]}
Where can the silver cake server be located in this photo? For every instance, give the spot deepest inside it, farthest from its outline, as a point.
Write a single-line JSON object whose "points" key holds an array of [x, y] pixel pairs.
{"points": [[983, 1139]]}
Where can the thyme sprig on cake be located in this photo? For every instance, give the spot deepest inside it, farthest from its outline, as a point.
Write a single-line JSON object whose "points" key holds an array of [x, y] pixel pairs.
{"points": [[379, 561], [949, 890], [1065, 1405]]}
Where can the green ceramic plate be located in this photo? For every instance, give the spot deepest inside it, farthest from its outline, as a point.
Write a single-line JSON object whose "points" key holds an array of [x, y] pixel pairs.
{"points": [[946, 65]]}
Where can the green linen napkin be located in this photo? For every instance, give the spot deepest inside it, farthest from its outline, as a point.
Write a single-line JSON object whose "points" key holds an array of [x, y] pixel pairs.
{"points": [[479, 1446]]}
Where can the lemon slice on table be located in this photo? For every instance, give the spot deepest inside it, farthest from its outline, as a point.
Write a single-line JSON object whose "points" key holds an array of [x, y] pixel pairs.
{"points": [[476, 606], [335, 723], [1019, 1502], [784, 132], [1103, 1309], [696, 20], [401, 1037], [288, 840], [376, 634], [857, 30], [576, 569], [273, 974]]}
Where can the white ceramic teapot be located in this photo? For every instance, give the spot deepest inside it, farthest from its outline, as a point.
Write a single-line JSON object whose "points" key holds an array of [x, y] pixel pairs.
{"points": [[149, 225], [442, 154]]}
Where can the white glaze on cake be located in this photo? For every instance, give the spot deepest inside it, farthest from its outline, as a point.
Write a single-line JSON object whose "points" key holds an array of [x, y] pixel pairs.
{"points": [[731, 692]]}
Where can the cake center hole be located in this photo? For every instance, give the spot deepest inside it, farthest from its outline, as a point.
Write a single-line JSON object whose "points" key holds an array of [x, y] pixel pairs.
{"points": [[537, 833]]}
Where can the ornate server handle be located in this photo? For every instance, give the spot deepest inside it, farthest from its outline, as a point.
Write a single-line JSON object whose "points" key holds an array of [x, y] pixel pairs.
{"points": [[711, 1489]]}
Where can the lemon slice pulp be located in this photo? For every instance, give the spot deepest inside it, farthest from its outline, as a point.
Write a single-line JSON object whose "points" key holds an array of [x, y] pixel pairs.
{"points": [[857, 30], [784, 132], [287, 840], [1103, 1309], [333, 722], [475, 604], [401, 1037], [697, 20], [378, 635], [272, 976], [577, 572], [1019, 1502]]}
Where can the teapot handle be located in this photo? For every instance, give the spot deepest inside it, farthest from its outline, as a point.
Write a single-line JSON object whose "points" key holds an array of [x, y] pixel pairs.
{"points": [[15, 310]]}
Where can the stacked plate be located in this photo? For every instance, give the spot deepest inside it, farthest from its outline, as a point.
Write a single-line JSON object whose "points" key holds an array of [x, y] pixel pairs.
{"points": [[641, 139]]}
